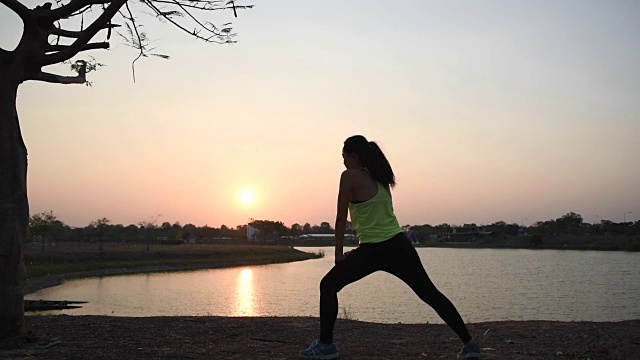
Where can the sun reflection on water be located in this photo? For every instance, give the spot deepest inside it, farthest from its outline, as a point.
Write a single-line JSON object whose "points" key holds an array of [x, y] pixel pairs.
{"points": [[245, 294]]}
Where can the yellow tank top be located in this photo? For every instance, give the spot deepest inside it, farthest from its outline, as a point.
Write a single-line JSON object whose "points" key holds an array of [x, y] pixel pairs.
{"points": [[374, 220]]}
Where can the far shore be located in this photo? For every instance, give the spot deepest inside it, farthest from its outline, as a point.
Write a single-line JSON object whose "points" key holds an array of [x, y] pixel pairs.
{"points": [[560, 242]]}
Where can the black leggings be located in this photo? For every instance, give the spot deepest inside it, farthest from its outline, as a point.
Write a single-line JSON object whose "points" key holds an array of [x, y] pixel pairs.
{"points": [[396, 256]]}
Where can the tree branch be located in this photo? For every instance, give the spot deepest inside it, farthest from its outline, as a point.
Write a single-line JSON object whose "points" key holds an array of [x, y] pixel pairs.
{"points": [[75, 5], [59, 79], [90, 46], [66, 33], [196, 20], [23, 12], [84, 38], [135, 28], [192, 33], [76, 34], [201, 5]]}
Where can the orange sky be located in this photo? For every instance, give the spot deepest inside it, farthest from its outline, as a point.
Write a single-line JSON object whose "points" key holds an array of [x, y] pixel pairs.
{"points": [[487, 112]]}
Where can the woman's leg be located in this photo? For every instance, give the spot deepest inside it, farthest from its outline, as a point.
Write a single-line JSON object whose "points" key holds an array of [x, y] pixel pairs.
{"points": [[359, 263], [403, 261]]}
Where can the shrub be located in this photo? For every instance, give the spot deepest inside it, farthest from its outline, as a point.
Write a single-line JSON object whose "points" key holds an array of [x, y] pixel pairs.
{"points": [[536, 240]]}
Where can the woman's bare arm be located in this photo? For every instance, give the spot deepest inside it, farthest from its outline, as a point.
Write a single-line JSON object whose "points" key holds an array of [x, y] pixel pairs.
{"points": [[344, 195]]}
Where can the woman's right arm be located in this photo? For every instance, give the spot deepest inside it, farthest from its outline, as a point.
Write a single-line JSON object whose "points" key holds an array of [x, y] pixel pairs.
{"points": [[344, 195]]}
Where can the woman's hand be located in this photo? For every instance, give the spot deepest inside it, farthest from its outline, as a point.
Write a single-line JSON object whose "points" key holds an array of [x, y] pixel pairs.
{"points": [[341, 257]]}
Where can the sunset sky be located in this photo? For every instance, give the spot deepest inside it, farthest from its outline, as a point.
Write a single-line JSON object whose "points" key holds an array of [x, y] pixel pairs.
{"points": [[487, 110]]}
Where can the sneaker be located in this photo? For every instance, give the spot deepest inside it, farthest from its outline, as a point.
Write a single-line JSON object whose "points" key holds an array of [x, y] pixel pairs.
{"points": [[469, 351], [320, 351]]}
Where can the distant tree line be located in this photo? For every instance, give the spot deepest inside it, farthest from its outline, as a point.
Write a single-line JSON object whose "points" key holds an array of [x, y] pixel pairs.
{"points": [[46, 226], [568, 224]]}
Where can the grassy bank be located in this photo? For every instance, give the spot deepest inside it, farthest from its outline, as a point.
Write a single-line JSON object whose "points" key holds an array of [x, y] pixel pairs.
{"points": [[77, 259], [590, 247], [561, 242]]}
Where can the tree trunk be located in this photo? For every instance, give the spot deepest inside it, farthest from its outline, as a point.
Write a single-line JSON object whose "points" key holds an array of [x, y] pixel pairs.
{"points": [[14, 207]]}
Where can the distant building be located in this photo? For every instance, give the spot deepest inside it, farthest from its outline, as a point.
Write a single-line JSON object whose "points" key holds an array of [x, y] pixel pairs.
{"points": [[325, 237], [412, 235], [466, 234], [253, 234]]}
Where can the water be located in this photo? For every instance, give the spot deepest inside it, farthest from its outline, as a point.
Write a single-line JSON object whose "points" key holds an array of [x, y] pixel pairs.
{"points": [[484, 284]]}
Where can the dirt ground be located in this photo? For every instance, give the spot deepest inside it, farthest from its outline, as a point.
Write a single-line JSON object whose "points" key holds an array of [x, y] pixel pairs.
{"points": [[111, 338]]}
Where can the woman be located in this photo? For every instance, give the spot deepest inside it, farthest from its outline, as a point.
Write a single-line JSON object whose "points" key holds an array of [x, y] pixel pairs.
{"points": [[365, 192]]}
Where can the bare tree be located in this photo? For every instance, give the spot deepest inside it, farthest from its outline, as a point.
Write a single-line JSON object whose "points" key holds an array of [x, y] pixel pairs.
{"points": [[47, 40], [149, 227]]}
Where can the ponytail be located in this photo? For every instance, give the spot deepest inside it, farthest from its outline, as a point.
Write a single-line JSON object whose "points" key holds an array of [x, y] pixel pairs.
{"points": [[371, 157], [379, 166]]}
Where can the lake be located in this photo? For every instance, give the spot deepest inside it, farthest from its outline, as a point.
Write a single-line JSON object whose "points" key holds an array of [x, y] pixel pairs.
{"points": [[484, 284]]}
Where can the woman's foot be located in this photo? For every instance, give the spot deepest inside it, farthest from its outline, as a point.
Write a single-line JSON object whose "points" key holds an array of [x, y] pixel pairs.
{"points": [[317, 350], [470, 351]]}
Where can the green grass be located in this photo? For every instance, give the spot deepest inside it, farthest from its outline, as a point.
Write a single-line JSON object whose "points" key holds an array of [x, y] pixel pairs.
{"points": [[66, 259]]}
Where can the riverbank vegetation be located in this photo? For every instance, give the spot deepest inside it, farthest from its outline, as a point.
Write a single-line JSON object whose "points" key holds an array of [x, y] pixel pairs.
{"points": [[536, 242], [533, 242], [72, 258]]}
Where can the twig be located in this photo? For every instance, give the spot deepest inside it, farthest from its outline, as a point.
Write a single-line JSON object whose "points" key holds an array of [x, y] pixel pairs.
{"points": [[53, 343], [269, 340]]}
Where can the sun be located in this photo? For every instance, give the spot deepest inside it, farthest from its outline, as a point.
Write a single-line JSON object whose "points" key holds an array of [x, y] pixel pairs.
{"points": [[247, 197]]}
